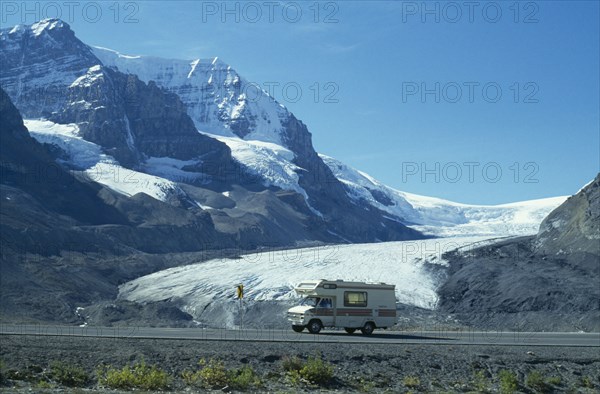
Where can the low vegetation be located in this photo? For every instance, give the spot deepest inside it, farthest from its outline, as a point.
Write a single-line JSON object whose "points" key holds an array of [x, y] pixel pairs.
{"points": [[314, 371], [536, 381], [508, 382], [290, 364], [213, 375], [244, 378], [68, 375], [411, 382], [555, 380], [480, 382], [140, 376], [586, 382], [2, 372], [292, 372]]}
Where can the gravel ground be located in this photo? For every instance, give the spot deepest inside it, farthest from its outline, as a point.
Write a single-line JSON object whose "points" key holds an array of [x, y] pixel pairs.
{"points": [[357, 368]]}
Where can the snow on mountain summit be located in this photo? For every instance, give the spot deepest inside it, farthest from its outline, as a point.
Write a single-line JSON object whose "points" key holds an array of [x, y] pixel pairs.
{"points": [[47, 24], [442, 217], [218, 99]]}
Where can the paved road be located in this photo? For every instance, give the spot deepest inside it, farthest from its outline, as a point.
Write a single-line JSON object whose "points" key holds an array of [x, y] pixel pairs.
{"points": [[441, 337]]}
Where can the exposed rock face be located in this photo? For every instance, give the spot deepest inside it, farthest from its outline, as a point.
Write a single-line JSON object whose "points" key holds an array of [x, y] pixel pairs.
{"points": [[39, 63], [134, 120], [544, 282], [59, 235], [573, 227], [49, 73], [28, 166], [46, 209]]}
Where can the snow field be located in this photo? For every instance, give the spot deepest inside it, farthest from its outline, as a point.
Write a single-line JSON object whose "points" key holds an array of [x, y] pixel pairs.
{"points": [[415, 267]]}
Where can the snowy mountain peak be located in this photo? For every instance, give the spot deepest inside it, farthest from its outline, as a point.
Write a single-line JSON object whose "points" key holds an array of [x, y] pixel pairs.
{"points": [[36, 29], [218, 99], [48, 24], [16, 29]]}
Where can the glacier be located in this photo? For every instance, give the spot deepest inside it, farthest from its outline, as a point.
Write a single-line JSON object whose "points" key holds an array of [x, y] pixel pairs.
{"points": [[206, 290], [87, 158]]}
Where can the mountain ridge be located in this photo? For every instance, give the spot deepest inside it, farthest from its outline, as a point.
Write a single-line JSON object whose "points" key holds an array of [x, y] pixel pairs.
{"points": [[139, 123]]}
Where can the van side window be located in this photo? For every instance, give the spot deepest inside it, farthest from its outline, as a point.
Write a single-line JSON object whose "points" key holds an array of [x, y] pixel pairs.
{"points": [[325, 303], [355, 298]]}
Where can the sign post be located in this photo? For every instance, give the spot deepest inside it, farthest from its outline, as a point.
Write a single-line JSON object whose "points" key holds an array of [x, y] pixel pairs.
{"points": [[240, 296]]}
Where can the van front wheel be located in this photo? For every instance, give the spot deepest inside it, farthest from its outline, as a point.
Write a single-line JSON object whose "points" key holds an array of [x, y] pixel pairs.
{"points": [[314, 327], [297, 328], [368, 328]]}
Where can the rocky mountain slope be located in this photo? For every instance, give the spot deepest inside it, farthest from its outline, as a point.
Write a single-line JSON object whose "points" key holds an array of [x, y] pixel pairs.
{"points": [[223, 103], [574, 227], [135, 122], [68, 241], [543, 282]]}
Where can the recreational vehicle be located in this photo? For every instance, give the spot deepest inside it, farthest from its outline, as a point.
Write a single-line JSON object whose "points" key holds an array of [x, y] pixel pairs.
{"points": [[351, 305]]}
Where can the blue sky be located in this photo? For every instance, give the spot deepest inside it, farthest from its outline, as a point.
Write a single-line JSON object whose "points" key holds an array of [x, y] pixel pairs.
{"points": [[370, 63]]}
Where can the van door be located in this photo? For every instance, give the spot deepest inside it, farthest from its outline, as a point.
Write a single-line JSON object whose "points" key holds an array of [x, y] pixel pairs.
{"points": [[326, 312], [334, 304]]}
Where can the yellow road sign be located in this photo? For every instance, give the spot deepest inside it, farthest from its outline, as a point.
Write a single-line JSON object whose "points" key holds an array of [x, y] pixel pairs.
{"points": [[240, 291]]}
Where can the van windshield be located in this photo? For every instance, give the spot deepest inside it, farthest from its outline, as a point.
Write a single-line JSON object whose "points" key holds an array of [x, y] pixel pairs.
{"points": [[310, 301]]}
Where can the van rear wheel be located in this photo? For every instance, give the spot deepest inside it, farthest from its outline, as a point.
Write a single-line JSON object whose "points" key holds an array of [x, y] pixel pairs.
{"points": [[349, 330], [315, 326], [297, 328], [368, 328]]}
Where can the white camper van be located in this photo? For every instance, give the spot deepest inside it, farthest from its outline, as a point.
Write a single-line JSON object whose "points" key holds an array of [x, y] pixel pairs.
{"points": [[351, 305]]}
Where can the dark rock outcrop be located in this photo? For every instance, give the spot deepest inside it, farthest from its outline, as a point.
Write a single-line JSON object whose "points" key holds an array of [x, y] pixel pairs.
{"points": [[573, 227], [133, 120], [540, 283]]}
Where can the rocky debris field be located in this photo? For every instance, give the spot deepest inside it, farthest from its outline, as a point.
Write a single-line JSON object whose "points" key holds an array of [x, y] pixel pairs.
{"points": [[75, 364]]}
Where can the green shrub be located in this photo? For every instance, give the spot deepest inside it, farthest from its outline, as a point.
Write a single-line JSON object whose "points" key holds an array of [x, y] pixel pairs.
{"points": [[317, 371], [536, 381], [190, 378], [140, 376], [243, 378], [291, 364], [42, 384], [68, 375], [586, 382], [555, 380], [365, 385], [508, 382], [2, 372], [481, 382], [411, 381], [213, 373], [295, 377]]}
